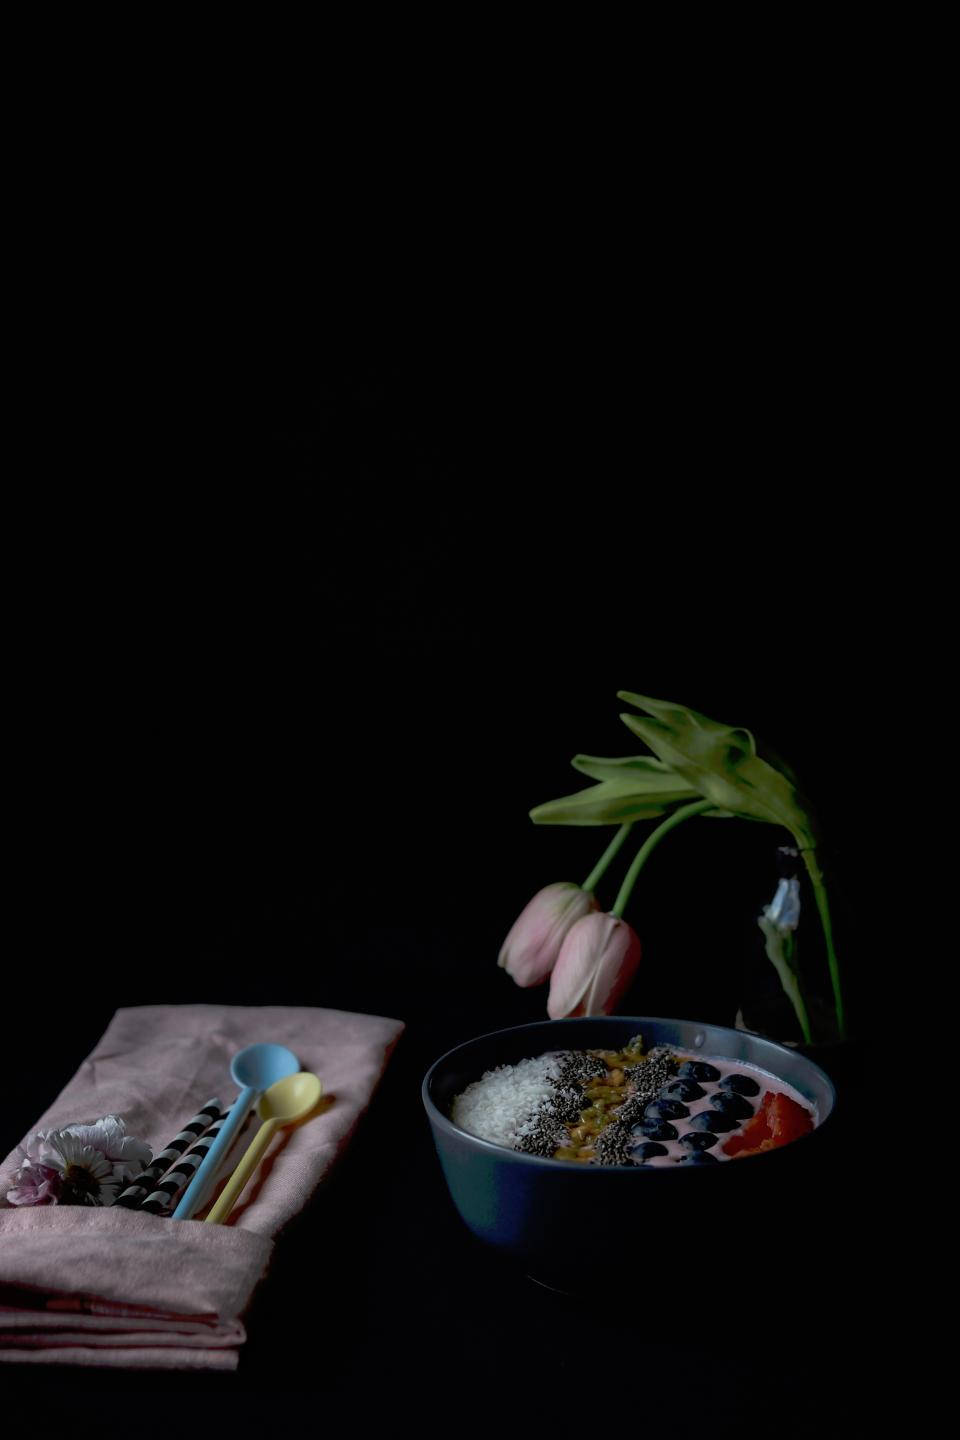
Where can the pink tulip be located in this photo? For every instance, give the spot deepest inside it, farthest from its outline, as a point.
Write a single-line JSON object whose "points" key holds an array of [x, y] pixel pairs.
{"points": [[597, 961], [531, 949]]}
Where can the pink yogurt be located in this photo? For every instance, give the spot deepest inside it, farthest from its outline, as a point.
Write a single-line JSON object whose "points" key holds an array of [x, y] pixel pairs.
{"points": [[767, 1082]]}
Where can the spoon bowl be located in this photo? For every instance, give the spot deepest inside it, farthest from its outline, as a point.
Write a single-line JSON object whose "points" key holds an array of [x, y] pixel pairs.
{"points": [[258, 1066], [290, 1098]]}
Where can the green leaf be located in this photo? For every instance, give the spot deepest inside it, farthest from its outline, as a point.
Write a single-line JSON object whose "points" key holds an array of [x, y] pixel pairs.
{"points": [[612, 802], [719, 761], [647, 775], [662, 785]]}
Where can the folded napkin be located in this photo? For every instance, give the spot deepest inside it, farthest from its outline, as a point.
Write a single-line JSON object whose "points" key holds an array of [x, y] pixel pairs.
{"points": [[110, 1286]]}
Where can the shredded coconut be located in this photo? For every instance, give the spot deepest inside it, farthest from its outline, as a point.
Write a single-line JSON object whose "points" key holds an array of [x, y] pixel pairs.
{"points": [[503, 1104]]}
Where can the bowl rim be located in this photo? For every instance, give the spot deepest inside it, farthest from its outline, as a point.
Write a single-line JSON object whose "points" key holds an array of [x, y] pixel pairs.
{"points": [[444, 1123]]}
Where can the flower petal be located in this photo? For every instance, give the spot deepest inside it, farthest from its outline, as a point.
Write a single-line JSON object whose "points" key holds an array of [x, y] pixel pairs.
{"points": [[531, 949], [61, 1150], [597, 961], [575, 965], [131, 1152], [614, 972], [106, 1134], [35, 1185]]}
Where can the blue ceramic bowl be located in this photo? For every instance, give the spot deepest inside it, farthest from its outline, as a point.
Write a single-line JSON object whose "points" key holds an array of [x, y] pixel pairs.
{"points": [[613, 1226]]}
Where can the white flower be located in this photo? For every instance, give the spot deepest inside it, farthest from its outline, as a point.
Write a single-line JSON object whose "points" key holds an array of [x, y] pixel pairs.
{"points": [[85, 1164], [784, 909]]}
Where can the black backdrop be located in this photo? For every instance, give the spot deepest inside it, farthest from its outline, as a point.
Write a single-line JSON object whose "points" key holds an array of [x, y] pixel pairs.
{"points": [[299, 675], [305, 668]]}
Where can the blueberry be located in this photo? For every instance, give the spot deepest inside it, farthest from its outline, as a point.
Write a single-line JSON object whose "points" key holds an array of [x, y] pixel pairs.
{"points": [[714, 1120], [700, 1157], [655, 1130], [733, 1105], [646, 1149], [665, 1110], [740, 1085], [696, 1140], [683, 1090], [698, 1070]]}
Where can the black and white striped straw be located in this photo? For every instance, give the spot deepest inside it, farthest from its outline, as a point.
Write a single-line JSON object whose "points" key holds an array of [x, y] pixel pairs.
{"points": [[143, 1184], [161, 1200]]}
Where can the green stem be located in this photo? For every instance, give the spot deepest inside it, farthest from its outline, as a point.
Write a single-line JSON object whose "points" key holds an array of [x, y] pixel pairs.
{"points": [[801, 1010], [651, 842], [780, 952], [820, 894], [593, 879]]}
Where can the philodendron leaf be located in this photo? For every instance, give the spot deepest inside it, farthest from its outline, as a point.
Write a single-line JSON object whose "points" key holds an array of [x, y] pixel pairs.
{"points": [[612, 802], [719, 761]]}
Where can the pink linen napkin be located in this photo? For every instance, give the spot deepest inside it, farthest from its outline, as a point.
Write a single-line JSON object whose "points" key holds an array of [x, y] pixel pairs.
{"points": [[109, 1286]]}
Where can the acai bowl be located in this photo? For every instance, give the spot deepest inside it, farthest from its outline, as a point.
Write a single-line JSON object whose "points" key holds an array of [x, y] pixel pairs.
{"points": [[579, 1221]]}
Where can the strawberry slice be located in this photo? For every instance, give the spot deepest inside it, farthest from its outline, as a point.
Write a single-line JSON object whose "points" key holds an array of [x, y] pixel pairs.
{"points": [[778, 1121]]}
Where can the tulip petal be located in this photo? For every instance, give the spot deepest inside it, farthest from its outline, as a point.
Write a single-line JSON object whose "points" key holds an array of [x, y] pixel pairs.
{"points": [[530, 951], [612, 976], [597, 961], [571, 974]]}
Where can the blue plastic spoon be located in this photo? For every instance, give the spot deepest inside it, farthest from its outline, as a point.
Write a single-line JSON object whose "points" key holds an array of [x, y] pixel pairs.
{"points": [[254, 1069]]}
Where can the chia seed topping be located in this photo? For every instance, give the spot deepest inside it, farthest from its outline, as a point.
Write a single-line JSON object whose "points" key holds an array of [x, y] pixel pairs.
{"points": [[566, 1106], [546, 1135], [614, 1145], [649, 1079], [576, 1067]]}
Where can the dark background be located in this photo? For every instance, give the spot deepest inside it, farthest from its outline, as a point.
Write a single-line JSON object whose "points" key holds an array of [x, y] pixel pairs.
{"points": [[296, 670], [304, 666]]}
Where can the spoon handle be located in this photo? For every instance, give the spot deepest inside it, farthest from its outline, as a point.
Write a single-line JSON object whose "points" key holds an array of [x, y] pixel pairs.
{"points": [[193, 1196], [251, 1159]]}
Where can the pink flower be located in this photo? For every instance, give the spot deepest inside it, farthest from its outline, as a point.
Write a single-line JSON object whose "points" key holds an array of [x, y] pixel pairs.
{"points": [[531, 949], [37, 1185], [597, 961]]}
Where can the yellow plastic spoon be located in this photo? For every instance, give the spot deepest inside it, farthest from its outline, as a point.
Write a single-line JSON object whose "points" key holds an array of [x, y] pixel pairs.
{"points": [[284, 1102]]}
